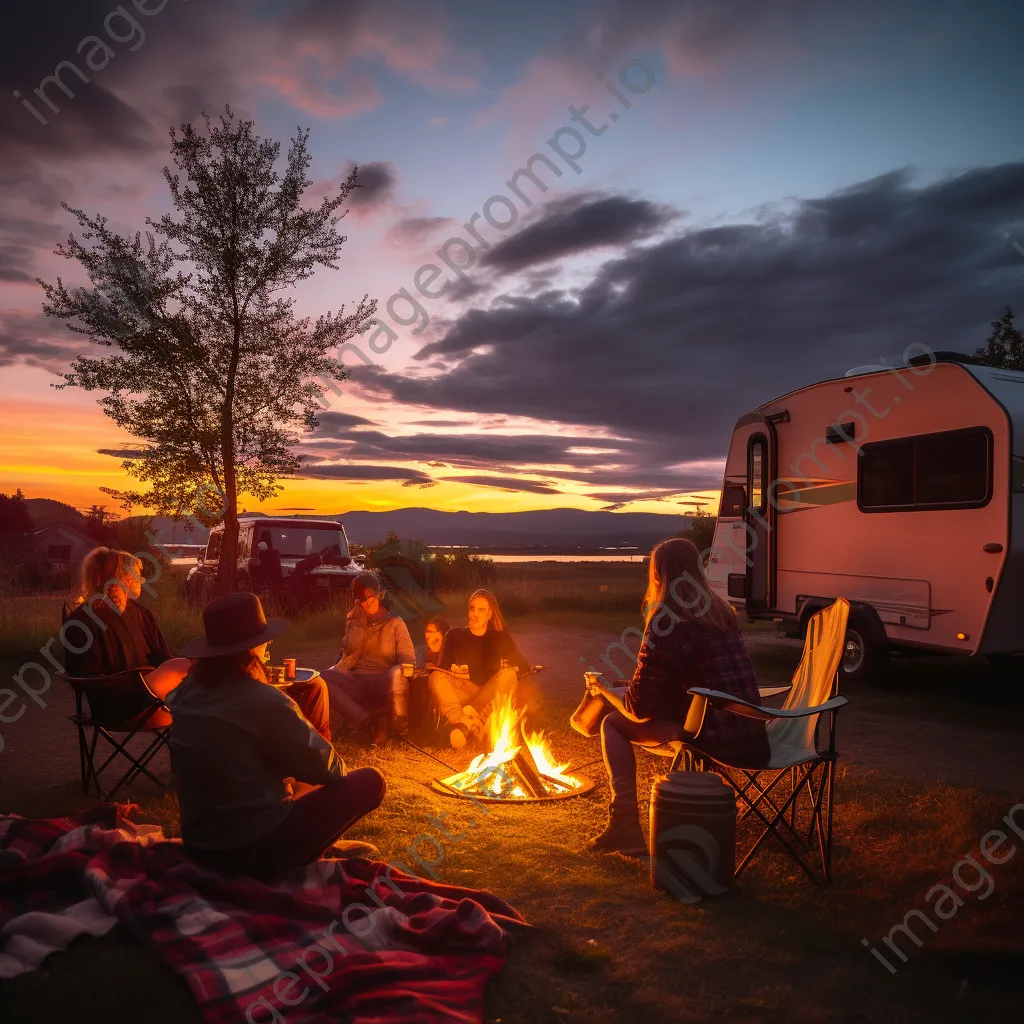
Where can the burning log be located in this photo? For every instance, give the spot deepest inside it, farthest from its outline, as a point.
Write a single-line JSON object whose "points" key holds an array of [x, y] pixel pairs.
{"points": [[519, 765], [526, 770]]}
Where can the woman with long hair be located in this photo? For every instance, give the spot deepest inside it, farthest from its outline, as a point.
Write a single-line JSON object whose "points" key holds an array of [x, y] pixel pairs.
{"points": [[434, 633], [261, 792], [477, 662], [691, 638], [125, 634]]}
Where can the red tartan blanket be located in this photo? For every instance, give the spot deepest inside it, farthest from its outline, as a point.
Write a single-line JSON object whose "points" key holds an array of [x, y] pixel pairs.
{"points": [[345, 940]]}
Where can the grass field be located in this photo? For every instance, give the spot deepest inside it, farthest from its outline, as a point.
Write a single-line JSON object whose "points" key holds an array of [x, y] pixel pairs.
{"points": [[607, 591], [606, 947]]}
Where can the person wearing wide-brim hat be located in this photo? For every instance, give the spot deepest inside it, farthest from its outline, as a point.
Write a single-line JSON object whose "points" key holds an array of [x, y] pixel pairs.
{"points": [[236, 742]]}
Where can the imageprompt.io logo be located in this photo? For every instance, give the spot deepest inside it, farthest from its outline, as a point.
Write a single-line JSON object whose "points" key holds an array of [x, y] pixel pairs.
{"points": [[411, 573], [686, 859]]}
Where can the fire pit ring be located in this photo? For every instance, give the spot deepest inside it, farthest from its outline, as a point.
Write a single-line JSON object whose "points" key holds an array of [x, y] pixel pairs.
{"points": [[586, 785]]}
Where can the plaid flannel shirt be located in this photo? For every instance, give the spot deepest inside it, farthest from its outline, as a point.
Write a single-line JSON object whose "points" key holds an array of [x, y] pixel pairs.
{"points": [[690, 654]]}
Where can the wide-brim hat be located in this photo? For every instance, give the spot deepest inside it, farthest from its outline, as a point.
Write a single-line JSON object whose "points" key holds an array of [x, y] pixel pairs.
{"points": [[234, 622]]}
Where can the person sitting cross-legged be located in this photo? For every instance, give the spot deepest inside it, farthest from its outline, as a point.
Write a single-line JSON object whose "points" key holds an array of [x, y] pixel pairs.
{"points": [[368, 672], [260, 791], [471, 672]]}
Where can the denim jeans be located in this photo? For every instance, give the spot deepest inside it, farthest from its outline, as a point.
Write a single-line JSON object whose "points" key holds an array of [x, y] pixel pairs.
{"points": [[618, 734]]}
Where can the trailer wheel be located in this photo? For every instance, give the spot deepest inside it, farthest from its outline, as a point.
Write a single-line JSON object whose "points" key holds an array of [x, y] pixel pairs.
{"points": [[864, 653]]}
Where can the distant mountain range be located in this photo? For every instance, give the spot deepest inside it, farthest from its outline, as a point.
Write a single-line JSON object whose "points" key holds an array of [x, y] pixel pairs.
{"points": [[556, 530], [559, 530]]}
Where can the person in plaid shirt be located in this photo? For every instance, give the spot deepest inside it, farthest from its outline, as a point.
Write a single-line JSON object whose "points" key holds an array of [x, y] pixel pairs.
{"points": [[691, 638]]}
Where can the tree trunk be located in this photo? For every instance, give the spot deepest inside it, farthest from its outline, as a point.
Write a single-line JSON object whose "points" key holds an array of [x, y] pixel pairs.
{"points": [[227, 570]]}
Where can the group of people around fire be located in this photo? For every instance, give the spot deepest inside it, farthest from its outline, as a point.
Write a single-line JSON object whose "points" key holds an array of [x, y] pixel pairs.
{"points": [[260, 786]]}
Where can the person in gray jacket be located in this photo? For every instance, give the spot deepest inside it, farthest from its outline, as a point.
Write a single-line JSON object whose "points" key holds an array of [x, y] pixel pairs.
{"points": [[367, 676], [261, 792]]}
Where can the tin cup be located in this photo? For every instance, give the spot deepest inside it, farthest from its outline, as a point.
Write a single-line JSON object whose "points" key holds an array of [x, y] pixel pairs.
{"points": [[592, 677], [408, 668], [289, 669]]}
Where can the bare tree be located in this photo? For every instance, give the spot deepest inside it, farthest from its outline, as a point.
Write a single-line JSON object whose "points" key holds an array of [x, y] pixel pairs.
{"points": [[212, 370]]}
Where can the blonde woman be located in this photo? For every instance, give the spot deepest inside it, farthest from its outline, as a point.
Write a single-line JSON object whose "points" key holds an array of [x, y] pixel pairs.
{"points": [[691, 638], [125, 634], [470, 669]]}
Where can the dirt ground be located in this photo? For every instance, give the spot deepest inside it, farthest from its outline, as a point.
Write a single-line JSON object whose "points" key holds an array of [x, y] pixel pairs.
{"points": [[919, 750], [929, 720]]}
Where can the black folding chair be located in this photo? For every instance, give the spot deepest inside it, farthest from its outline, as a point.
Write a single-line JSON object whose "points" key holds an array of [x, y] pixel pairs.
{"points": [[116, 708], [801, 765]]}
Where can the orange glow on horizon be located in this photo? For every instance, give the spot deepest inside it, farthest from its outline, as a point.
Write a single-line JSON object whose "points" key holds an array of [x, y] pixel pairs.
{"points": [[44, 451]]}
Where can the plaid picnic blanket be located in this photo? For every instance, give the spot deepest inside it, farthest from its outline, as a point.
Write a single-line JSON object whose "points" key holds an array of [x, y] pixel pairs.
{"points": [[344, 940]]}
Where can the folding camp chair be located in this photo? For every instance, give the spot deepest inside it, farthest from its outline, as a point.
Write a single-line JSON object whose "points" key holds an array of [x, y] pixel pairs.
{"points": [[799, 766], [116, 708]]}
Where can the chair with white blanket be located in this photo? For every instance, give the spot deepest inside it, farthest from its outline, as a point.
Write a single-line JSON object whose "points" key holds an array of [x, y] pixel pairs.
{"points": [[802, 768]]}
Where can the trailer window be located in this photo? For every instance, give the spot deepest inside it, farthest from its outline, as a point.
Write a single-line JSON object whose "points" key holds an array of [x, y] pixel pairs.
{"points": [[756, 472], [952, 469]]}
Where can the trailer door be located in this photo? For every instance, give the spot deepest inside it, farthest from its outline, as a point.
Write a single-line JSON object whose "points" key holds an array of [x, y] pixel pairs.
{"points": [[743, 560], [760, 473]]}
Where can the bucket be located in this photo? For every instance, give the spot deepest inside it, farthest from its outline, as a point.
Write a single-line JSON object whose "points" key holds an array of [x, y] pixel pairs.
{"points": [[693, 835]]}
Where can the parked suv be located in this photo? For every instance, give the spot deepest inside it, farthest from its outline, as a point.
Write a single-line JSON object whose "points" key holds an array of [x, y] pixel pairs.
{"points": [[300, 562]]}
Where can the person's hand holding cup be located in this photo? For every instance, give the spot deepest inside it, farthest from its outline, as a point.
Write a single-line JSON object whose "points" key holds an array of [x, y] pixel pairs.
{"points": [[594, 683]]}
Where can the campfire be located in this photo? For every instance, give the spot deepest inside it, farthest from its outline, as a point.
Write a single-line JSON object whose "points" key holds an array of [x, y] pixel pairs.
{"points": [[519, 768]]}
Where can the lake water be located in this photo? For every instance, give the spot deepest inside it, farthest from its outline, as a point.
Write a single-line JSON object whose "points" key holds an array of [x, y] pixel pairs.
{"points": [[565, 558], [514, 558]]}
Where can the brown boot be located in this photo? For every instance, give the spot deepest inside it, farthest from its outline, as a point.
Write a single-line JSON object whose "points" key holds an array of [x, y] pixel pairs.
{"points": [[621, 835]]}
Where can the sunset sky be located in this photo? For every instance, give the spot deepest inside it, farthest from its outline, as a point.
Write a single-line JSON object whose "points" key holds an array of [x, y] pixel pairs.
{"points": [[795, 188]]}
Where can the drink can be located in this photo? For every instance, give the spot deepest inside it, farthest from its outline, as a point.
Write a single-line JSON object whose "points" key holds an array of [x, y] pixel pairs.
{"points": [[289, 669], [504, 662], [407, 669]]}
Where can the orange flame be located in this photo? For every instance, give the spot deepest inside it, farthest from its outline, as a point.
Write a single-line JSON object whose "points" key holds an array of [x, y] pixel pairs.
{"points": [[506, 737]]}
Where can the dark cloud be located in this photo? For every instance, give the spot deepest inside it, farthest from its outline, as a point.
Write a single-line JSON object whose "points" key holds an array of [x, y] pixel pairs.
{"points": [[335, 423], [37, 340], [505, 484], [418, 230], [644, 466], [577, 224], [438, 423], [377, 181], [123, 453], [672, 342], [362, 471], [472, 448], [698, 35]]}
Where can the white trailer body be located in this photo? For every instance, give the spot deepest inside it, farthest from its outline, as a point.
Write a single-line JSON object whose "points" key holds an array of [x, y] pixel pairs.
{"points": [[902, 490]]}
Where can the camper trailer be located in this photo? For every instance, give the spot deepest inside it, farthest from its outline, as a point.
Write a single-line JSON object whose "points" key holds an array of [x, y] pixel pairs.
{"points": [[899, 488]]}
